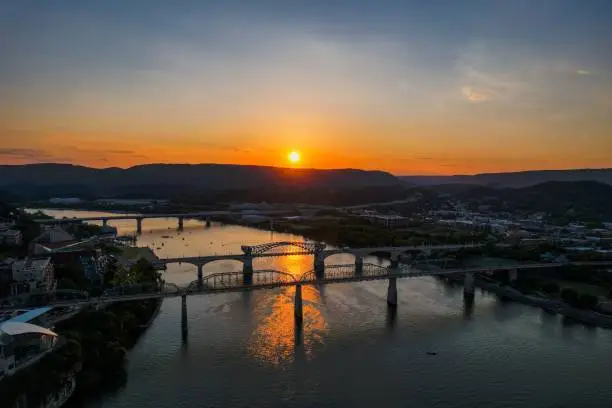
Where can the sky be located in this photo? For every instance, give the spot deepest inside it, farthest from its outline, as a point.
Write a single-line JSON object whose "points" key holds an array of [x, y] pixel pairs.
{"points": [[409, 87]]}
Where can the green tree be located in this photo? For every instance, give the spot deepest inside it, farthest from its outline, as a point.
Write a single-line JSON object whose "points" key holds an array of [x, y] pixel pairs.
{"points": [[67, 283], [587, 301], [569, 296], [143, 272], [551, 288]]}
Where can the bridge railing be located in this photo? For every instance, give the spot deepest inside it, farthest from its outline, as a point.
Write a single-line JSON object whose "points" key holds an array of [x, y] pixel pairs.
{"points": [[346, 272]]}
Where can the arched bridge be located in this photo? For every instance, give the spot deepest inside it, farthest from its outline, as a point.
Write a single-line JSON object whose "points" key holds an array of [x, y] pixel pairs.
{"points": [[301, 246]]}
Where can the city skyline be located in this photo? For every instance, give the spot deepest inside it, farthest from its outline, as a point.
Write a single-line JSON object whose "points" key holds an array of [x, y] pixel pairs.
{"points": [[405, 87]]}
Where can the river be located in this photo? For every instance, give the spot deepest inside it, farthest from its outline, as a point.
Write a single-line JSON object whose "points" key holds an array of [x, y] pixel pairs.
{"points": [[243, 350]]}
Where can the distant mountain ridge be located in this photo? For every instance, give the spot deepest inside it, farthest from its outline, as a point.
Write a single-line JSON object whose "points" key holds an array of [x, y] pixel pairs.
{"points": [[515, 179], [71, 179]]}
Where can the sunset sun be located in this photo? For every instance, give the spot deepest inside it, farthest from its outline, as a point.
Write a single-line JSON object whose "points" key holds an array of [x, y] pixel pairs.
{"points": [[294, 157]]}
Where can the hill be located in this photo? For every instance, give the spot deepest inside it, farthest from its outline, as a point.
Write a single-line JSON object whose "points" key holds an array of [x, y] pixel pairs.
{"points": [[170, 180], [562, 199], [516, 179]]}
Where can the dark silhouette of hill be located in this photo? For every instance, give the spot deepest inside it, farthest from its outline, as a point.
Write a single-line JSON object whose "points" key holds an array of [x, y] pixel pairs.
{"points": [[159, 180], [516, 179], [585, 199]]}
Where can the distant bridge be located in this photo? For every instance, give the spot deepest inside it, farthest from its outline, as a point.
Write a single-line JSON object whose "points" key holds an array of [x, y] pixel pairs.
{"points": [[139, 217]]}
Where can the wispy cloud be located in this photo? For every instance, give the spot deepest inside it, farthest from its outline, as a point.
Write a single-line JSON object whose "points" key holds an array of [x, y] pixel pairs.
{"points": [[17, 153], [476, 95], [583, 72]]}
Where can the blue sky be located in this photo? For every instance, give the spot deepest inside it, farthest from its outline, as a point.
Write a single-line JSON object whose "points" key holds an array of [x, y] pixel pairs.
{"points": [[405, 86]]}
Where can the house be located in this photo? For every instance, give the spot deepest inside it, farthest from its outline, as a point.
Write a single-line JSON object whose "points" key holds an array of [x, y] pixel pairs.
{"points": [[32, 275], [11, 237], [92, 269], [6, 277]]}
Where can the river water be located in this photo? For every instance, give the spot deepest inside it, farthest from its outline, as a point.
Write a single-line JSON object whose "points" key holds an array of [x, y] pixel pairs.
{"points": [[244, 351]]}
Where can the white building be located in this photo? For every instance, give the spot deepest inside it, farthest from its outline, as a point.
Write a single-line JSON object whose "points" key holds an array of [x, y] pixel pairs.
{"points": [[28, 341], [11, 237], [33, 275]]}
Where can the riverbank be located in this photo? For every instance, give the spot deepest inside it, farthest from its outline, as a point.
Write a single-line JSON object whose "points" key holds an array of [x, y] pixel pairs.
{"points": [[550, 305], [92, 356]]}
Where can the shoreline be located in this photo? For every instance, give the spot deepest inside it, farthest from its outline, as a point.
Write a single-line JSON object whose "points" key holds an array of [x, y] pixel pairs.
{"points": [[549, 305]]}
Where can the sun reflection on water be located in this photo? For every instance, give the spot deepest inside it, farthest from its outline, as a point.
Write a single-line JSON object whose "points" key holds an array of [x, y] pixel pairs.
{"points": [[274, 339]]}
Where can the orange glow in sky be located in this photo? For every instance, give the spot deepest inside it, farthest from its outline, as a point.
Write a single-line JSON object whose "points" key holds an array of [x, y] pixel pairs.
{"points": [[96, 88]]}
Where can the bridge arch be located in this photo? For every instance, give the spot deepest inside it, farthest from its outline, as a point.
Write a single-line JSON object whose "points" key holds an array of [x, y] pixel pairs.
{"points": [[227, 281], [346, 272], [343, 256], [267, 248]]}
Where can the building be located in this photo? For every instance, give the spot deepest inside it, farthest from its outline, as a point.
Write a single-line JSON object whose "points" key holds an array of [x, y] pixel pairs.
{"points": [[388, 221], [11, 237], [32, 275], [6, 277], [92, 269], [22, 344]]}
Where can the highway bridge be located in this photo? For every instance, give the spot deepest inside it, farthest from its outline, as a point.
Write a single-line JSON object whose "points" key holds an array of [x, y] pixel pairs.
{"points": [[140, 217], [319, 250], [266, 279]]}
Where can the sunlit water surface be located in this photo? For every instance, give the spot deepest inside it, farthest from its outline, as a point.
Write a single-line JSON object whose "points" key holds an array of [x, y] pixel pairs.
{"points": [[243, 349]]}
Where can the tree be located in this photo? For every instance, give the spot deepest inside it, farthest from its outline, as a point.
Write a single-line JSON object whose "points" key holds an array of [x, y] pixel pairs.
{"points": [[143, 272], [569, 296], [67, 283], [550, 287], [587, 301]]}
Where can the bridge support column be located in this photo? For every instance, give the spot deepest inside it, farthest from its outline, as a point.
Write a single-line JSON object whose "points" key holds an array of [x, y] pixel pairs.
{"points": [[394, 260], [139, 225], [468, 284], [180, 223], [358, 265], [184, 327], [247, 270], [200, 278], [512, 275], [392, 292], [208, 221], [104, 222], [297, 305], [319, 266]]}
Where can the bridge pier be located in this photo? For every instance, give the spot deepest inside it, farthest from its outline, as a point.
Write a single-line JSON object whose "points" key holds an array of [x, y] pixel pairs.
{"points": [[247, 270], [139, 225], [297, 305], [395, 260], [208, 221], [358, 265], [184, 327], [392, 292], [104, 222], [319, 266], [512, 275], [468, 284], [180, 223], [200, 277]]}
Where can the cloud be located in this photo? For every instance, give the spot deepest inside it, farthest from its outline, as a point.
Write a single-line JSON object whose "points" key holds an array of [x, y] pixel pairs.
{"points": [[476, 95], [583, 72], [19, 153]]}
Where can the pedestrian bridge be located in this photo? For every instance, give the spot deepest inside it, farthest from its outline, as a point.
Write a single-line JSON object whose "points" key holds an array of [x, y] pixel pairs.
{"points": [[268, 278]]}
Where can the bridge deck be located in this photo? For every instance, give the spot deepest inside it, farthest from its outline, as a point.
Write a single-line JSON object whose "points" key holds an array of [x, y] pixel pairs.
{"points": [[307, 279]]}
